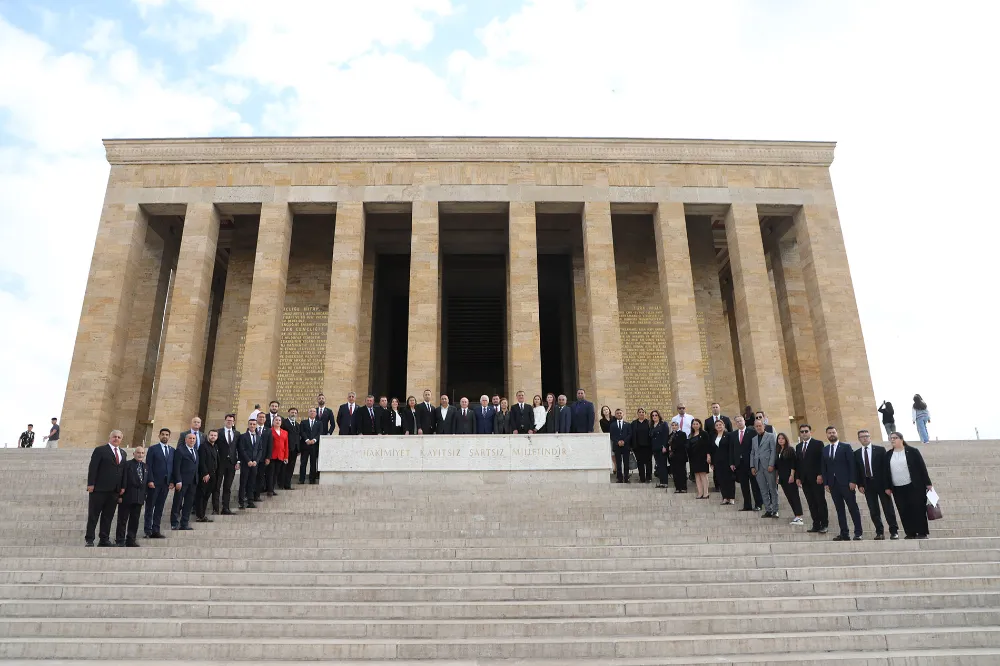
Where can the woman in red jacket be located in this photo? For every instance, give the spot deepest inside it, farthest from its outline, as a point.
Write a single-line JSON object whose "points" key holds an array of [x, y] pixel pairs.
{"points": [[279, 454]]}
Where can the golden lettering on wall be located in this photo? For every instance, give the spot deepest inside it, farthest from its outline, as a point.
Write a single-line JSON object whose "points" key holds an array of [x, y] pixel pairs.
{"points": [[644, 359], [238, 373], [301, 355], [706, 365]]}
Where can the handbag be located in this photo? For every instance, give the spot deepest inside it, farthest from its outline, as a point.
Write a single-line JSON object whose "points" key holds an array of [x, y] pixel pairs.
{"points": [[632, 462], [934, 511]]}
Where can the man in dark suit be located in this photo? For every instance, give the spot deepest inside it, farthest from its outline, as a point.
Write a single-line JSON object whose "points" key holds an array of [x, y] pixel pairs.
{"points": [[465, 420], [251, 452], [869, 461], [621, 434], [444, 418], [840, 475], [199, 440], [522, 418], [312, 430], [742, 441], [324, 414], [583, 413], [272, 411], [369, 417], [425, 415], [564, 416], [349, 416], [228, 438], [484, 416], [809, 458], [384, 422], [294, 429], [185, 480], [267, 444], [208, 475], [160, 465], [717, 416], [104, 480], [133, 494]]}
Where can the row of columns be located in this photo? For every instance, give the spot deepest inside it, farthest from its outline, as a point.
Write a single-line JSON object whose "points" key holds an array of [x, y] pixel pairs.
{"points": [[819, 283]]}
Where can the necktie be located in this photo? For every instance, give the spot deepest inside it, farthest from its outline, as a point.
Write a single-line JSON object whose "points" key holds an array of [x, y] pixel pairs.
{"points": [[371, 413], [140, 473], [868, 465], [463, 413], [118, 460], [352, 409], [310, 424], [229, 436], [194, 454], [619, 426], [197, 439], [484, 411]]}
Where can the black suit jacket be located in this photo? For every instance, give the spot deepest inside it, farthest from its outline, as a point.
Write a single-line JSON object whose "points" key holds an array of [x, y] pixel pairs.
{"points": [[810, 462], [710, 424], [185, 466], [326, 418], [314, 432], [839, 470], [349, 424], [739, 449], [134, 485], [228, 455], [385, 421], [268, 417], [446, 425], [369, 422], [876, 462], [426, 418], [249, 453], [464, 425], [104, 473], [409, 421], [294, 434], [522, 420], [914, 462], [624, 434], [208, 461]]}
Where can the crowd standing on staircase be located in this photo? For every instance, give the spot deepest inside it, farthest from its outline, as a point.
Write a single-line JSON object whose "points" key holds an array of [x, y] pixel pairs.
{"points": [[201, 468]]}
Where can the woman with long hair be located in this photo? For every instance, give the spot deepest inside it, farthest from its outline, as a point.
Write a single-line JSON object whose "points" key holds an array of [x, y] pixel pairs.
{"points": [[409, 415], [501, 422], [677, 453], [727, 479], [538, 412], [641, 446], [700, 449], [551, 415], [787, 466], [921, 417], [658, 436], [279, 455], [605, 423], [905, 478], [395, 418]]}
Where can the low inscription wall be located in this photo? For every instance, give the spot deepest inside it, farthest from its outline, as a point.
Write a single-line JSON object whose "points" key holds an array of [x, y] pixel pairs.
{"points": [[464, 453]]}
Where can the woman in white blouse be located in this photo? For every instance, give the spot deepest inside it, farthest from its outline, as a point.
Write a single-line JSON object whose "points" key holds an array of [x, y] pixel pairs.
{"points": [[905, 478], [539, 413]]}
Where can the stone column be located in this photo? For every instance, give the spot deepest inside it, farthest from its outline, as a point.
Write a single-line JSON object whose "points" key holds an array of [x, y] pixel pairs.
{"points": [[343, 319], [581, 310], [754, 311], [423, 341], [259, 381], [843, 361], [797, 331], [602, 295], [722, 387], [182, 372], [98, 356], [524, 356], [362, 381], [684, 354]]}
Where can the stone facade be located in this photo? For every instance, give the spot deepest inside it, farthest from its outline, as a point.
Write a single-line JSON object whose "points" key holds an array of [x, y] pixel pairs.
{"points": [[677, 294]]}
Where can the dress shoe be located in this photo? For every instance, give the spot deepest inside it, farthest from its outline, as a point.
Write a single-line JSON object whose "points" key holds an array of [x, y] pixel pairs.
{"points": [[766, 514], [204, 519], [858, 537], [105, 544], [187, 528], [251, 505], [813, 530], [173, 527], [894, 536], [146, 535], [131, 544], [746, 509], [242, 507], [921, 536], [841, 537], [119, 544], [289, 488], [227, 512], [256, 498], [823, 530], [880, 537], [89, 544], [156, 535]]}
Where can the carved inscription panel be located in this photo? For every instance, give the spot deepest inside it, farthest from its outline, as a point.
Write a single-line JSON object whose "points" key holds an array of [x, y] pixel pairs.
{"points": [[644, 359], [300, 360]]}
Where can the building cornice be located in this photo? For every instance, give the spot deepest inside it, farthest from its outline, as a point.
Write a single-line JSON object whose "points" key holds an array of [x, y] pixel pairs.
{"points": [[466, 149]]}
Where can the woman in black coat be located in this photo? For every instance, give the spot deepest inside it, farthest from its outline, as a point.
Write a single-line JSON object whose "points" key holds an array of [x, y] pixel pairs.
{"points": [[641, 446], [701, 446], [677, 452], [727, 479], [501, 422], [659, 433], [409, 416], [786, 463], [605, 423], [905, 477]]}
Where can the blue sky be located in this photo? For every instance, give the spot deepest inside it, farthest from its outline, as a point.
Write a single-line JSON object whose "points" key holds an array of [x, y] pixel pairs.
{"points": [[906, 90]]}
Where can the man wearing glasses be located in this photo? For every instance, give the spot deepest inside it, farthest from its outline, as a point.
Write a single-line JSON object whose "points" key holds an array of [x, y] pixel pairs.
{"points": [[809, 455]]}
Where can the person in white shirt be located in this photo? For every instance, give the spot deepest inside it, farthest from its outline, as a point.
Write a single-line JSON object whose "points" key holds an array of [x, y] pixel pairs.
{"points": [[538, 413], [683, 420]]}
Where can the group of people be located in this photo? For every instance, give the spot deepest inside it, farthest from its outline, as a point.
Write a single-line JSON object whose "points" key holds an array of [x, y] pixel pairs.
{"points": [[760, 460], [919, 415], [200, 468], [27, 438]]}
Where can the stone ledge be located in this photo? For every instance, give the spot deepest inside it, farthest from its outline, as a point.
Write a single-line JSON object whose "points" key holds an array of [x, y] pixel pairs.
{"points": [[466, 149]]}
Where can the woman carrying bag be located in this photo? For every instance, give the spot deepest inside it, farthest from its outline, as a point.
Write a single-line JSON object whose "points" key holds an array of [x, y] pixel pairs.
{"points": [[906, 480]]}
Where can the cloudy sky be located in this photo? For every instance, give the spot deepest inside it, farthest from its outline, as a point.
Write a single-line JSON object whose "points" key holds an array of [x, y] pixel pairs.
{"points": [[908, 90]]}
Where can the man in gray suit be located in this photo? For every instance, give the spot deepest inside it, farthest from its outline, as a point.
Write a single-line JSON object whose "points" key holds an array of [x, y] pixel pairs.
{"points": [[762, 467]]}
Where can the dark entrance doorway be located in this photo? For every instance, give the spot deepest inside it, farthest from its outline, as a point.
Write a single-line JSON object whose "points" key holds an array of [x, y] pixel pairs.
{"points": [[556, 324], [390, 308], [474, 325]]}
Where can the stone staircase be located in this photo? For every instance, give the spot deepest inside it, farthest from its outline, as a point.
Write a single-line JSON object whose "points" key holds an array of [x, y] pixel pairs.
{"points": [[547, 573]]}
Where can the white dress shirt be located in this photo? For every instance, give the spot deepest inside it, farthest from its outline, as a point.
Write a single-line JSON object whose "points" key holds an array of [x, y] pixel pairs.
{"points": [[899, 469], [684, 422]]}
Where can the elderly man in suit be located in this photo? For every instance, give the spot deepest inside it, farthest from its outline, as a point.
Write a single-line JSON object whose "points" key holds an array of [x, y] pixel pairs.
{"points": [[869, 461], [465, 419], [564, 416], [104, 481], [583, 413], [522, 417], [444, 418], [621, 434], [160, 465], [185, 480], [762, 452], [840, 475], [425, 415], [485, 415], [133, 494], [349, 416], [311, 430], [741, 444]]}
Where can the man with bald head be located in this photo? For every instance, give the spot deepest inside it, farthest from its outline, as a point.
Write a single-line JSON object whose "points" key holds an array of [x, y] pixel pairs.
{"points": [[104, 481], [185, 483]]}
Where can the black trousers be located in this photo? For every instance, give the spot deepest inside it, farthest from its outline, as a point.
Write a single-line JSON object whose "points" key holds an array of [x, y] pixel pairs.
{"points": [[844, 500], [128, 523], [224, 488], [791, 491], [156, 498], [816, 500], [622, 462], [183, 504], [286, 481], [678, 468], [878, 502], [310, 455], [248, 484], [100, 507], [275, 475], [727, 482], [207, 491], [911, 501], [662, 469], [261, 480], [644, 456], [749, 487]]}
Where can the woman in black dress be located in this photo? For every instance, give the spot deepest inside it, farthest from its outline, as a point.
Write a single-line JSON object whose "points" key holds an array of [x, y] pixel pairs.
{"points": [[727, 480], [677, 452], [658, 435], [700, 448], [787, 466], [641, 446]]}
